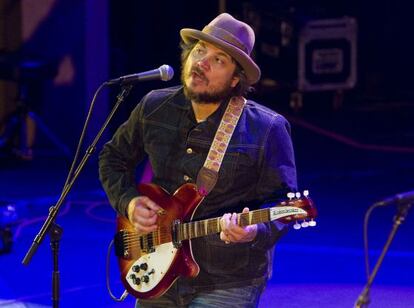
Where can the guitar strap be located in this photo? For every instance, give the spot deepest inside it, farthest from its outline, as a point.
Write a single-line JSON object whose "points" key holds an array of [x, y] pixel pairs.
{"points": [[208, 174]]}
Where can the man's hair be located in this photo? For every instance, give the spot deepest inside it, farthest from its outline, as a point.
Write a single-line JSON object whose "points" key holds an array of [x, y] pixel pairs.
{"points": [[242, 87]]}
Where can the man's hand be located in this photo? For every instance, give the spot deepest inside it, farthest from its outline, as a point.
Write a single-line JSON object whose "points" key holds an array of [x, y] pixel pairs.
{"points": [[233, 233], [143, 214]]}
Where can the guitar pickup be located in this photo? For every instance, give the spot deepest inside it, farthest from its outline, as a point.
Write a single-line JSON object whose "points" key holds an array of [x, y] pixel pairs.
{"points": [[146, 243], [175, 234], [130, 246]]}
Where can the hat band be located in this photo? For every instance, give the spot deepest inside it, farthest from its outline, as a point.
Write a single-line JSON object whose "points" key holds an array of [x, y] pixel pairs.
{"points": [[225, 36]]}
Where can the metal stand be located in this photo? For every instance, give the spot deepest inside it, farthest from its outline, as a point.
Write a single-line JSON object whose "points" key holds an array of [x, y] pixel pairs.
{"points": [[364, 299], [55, 236], [49, 225]]}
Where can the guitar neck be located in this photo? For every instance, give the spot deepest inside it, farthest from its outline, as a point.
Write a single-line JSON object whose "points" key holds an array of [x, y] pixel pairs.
{"points": [[206, 227], [286, 212]]}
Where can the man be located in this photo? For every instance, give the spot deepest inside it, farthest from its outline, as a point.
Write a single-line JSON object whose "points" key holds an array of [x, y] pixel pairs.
{"points": [[175, 128]]}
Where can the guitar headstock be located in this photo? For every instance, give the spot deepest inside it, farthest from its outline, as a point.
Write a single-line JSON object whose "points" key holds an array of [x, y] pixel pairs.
{"points": [[304, 202]]}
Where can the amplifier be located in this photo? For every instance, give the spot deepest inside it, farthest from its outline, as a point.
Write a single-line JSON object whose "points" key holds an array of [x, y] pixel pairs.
{"points": [[327, 55]]}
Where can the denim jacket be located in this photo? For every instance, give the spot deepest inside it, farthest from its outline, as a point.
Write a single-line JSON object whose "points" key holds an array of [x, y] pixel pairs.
{"points": [[258, 166]]}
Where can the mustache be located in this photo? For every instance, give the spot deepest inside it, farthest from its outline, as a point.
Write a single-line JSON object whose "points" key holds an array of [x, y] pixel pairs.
{"points": [[195, 69]]}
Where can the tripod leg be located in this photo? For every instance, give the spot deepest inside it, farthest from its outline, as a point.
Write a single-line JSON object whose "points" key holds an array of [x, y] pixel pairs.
{"points": [[52, 137], [26, 138]]}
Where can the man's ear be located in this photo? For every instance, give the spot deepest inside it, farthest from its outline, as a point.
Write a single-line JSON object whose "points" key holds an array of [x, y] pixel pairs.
{"points": [[235, 81]]}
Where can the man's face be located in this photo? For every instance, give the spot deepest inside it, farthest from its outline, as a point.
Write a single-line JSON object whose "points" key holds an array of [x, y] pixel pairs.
{"points": [[208, 74]]}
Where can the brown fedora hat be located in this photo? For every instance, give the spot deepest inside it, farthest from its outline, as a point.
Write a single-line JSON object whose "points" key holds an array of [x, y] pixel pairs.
{"points": [[232, 36]]}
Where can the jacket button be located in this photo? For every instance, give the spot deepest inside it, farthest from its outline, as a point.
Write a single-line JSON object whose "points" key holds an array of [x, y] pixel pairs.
{"points": [[189, 150], [186, 178]]}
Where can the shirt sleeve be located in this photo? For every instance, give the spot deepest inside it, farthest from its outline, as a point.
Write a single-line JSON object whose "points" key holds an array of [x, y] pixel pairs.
{"points": [[118, 160], [277, 177]]}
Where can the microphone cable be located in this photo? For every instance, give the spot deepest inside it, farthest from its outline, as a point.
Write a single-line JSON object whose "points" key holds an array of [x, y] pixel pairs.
{"points": [[365, 235]]}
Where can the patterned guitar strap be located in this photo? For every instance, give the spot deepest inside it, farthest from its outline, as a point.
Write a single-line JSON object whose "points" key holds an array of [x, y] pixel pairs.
{"points": [[208, 175]]}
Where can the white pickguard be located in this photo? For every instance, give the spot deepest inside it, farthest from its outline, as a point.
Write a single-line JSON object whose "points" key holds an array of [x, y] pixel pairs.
{"points": [[158, 263], [284, 211]]}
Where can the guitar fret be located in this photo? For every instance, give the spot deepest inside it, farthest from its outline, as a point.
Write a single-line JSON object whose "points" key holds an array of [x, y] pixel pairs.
{"points": [[189, 230]]}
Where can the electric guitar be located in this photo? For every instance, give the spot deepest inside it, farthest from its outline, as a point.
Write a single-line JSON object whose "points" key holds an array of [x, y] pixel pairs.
{"points": [[150, 263]]}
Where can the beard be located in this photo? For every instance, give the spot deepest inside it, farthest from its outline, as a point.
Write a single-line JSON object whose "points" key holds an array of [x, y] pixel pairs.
{"points": [[206, 97]]}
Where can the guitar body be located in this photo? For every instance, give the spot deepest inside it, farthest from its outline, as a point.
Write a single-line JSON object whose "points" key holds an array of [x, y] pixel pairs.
{"points": [[150, 265]]}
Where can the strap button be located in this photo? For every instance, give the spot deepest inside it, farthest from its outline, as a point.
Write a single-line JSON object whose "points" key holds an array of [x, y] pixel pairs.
{"points": [[189, 151], [186, 178]]}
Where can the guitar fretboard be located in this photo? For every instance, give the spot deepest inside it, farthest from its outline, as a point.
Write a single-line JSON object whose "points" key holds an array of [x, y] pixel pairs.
{"points": [[201, 228], [185, 231]]}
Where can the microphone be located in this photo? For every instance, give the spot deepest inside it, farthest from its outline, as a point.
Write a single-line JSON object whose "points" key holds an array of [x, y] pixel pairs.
{"points": [[164, 73], [402, 198]]}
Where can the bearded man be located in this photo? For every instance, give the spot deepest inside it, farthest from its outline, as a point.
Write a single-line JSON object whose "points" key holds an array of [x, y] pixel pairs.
{"points": [[175, 129]]}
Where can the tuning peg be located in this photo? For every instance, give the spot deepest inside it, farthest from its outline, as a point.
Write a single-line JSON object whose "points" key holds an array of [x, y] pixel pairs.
{"points": [[312, 223], [297, 195], [296, 226], [304, 224], [306, 193], [290, 195]]}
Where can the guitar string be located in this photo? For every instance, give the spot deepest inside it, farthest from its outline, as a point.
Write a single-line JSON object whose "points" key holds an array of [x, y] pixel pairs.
{"points": [[192, 226], [193, 229], [163, 236]]}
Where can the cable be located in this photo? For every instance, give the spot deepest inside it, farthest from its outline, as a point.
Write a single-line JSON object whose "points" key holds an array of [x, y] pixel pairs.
{"points": [[82, 136], [108, 257], [366, 250]]}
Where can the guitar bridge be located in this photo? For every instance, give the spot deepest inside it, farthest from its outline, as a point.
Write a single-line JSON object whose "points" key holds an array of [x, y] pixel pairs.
{"points": [[121, 250]]}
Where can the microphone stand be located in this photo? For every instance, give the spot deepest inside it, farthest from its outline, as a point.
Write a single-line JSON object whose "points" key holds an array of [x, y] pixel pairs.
{"points": [[402, 212], [49, 226]]}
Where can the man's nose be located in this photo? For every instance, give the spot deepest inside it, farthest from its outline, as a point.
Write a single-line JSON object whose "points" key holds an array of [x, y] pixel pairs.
{"points": [[204, 63]]}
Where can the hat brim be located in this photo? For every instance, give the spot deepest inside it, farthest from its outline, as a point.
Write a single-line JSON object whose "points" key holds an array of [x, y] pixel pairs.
{"points": [[249, 66]]}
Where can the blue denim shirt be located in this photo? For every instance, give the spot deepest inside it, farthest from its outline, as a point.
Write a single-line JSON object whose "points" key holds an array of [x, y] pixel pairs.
{"points": [[258, 165]]}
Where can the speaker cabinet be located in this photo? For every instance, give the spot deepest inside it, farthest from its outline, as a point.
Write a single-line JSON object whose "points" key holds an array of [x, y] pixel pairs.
{"points": [[327, 55]]}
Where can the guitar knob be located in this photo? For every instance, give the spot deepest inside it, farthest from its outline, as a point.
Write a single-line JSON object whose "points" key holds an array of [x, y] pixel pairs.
{"points": [[296, 226], [305, 224], [290, 195], [134, 279], [297, 195], [306, 193], [136, 268], [144, 266], [312, 223], [145, 278]]}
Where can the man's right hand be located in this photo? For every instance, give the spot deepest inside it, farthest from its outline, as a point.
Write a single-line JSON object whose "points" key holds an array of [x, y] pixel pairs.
{"points": [[143, 214]]}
